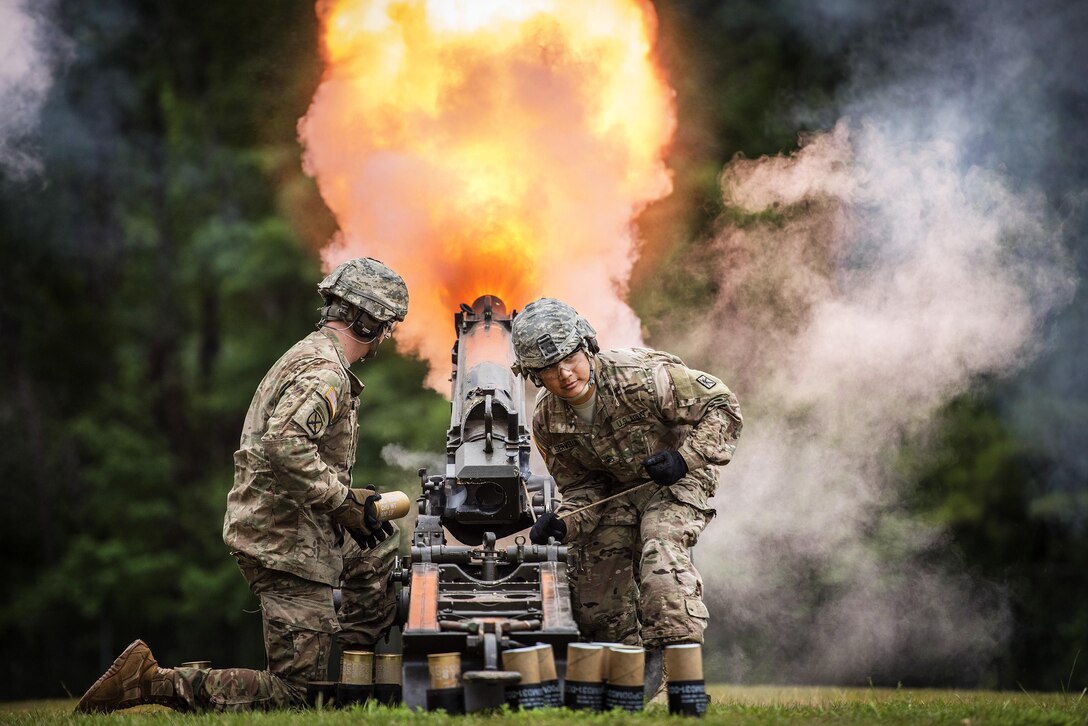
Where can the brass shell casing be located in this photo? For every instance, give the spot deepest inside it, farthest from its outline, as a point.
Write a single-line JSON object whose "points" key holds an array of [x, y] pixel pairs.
{"points": [[387, 669], [445, 670], [357, 667], [392, 505]]}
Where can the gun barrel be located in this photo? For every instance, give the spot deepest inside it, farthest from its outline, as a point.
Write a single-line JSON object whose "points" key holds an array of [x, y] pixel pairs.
{"points": [[487, 443]]}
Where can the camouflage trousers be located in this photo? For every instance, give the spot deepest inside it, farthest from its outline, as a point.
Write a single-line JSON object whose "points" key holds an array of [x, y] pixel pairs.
{"points": [[632, 578], [300, 621]]}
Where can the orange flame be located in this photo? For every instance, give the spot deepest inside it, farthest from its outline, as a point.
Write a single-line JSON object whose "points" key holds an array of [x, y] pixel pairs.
{"points": [[491, 147]]}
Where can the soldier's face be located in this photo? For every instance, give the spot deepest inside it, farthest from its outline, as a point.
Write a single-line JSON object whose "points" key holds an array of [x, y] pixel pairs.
{"points": [[569, 377]]}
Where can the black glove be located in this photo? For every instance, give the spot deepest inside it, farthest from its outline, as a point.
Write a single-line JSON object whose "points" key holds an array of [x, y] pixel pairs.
{"points": [[548, 525], [370, 511], [358, 512], [666, 467], [369, 541]]}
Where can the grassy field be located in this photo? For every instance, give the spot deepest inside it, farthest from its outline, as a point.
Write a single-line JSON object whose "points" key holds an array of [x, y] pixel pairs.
{"points": [[730, 704]]}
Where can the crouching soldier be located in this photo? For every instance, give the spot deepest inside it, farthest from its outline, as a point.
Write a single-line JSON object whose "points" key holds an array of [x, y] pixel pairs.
{"points": [[608, 422]]}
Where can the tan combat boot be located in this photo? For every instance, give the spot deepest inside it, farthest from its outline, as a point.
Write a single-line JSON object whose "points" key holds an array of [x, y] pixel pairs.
{"points": [[134, 678]]}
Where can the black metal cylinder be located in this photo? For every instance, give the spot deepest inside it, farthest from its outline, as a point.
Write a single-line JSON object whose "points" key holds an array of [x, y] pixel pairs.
{"points": [[350, 694], [321, 694], [484, 696], [388, 694], [450, 700]]}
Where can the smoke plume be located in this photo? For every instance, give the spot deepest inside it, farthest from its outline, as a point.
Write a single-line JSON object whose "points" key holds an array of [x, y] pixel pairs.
{"points": [[409, 460], [25, 79], [864, 281]]}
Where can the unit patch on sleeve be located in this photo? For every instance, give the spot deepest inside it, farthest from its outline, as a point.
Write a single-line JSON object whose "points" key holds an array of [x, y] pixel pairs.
{"points": [[315, 421], [706, 381], [313, 415]]}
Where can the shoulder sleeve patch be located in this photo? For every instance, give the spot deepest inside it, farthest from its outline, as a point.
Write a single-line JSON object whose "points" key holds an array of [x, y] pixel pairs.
{"points": [[318, 401], [681, 382], [313, 417], [691, 385]]}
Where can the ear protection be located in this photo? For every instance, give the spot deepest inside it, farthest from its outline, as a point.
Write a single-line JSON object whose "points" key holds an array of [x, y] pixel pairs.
{"points": [[362, 324], [367, 327]]}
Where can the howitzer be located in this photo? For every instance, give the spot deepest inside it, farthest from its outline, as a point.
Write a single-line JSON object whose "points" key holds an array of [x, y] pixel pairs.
{"points": [[478, 597]]}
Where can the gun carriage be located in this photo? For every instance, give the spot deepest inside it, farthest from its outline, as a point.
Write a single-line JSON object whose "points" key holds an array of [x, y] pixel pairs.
{"points": [[465, 591]]}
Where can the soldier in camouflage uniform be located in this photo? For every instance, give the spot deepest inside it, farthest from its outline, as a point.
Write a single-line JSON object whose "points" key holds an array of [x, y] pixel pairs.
{"points": [[293, 522], [611, 421]]}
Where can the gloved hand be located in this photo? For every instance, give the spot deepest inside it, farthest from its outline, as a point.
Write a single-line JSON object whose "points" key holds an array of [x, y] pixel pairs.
{"points": [[372, 540], [548, 525], [358, 514], [666, 467]]}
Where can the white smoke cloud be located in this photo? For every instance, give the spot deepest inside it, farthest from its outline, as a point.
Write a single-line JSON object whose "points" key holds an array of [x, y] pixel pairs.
{"points": [[875, 274], [404, 458], [25, 80]]}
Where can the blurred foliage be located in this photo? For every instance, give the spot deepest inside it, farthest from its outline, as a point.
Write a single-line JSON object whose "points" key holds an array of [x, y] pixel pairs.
{"points": [[164, 258], [989, 489], [151, 275]]}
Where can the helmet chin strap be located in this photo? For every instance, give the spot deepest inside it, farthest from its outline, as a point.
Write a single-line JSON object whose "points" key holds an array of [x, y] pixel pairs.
{"points": [[584, 393]]}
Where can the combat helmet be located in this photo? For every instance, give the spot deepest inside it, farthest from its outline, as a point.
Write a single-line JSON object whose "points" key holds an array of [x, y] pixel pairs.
{"points": [[365, 293], [545, 332]]}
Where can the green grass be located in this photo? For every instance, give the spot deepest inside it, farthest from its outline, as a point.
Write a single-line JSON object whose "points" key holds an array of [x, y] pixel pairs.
{"points": [[730, 704]]}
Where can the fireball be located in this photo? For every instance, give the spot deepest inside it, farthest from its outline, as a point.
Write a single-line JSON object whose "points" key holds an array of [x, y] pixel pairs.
{"points": [[491, 147]]}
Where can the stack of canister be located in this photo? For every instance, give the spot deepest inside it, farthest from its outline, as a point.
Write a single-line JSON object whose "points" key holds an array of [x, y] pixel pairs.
{"points": [[603, 676], [549, 677], [687, 689], [527, 693], [583, 687], [446, 692], [626, 676], [356, 678]]}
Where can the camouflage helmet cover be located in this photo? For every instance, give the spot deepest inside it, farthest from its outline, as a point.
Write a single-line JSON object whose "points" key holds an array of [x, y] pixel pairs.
{"points": [[369, 285], [546, 331]]}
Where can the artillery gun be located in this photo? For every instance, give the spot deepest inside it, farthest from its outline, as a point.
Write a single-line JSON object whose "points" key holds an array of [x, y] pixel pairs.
{"points": [[463, 590]]}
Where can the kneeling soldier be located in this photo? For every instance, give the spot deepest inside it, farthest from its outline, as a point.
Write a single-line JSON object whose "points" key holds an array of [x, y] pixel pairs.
{"points": [[293, 522]]}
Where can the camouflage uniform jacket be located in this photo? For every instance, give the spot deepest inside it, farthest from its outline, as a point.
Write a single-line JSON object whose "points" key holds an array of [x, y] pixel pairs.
{"points": [[647, 401], [294, 463]]}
